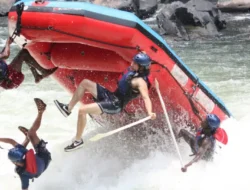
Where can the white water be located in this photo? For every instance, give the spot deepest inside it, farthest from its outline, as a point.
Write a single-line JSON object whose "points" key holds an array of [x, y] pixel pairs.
{"points": [[125, 161]]}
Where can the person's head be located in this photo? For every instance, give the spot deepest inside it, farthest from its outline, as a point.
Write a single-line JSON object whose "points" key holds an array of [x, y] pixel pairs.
{"points": [[17, 156], [3, 70], [211, 124], [141, 63]]}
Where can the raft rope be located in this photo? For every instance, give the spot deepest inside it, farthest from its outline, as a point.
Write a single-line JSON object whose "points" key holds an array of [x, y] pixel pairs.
{"points": [[188, 96], [19, 11], [17, 30], [78, 36]]}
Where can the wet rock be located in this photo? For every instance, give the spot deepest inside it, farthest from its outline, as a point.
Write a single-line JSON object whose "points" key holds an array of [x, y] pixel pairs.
{"points": [[194, 16], [234, 6], [146, 8], [142, 8]]}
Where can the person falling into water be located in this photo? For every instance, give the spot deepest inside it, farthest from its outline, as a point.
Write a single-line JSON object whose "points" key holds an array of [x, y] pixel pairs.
{"points": [[134, 82], [28, 164], [203, 144], [11, 75]]}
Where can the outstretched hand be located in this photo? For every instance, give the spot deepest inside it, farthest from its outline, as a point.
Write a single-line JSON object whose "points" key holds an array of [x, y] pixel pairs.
{"points": [[153, 116], [156, 84], [10, 40]]}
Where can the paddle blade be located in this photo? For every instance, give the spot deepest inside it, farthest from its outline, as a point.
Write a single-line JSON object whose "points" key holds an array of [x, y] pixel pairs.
{"points": [[221, 136], [97, 137]]}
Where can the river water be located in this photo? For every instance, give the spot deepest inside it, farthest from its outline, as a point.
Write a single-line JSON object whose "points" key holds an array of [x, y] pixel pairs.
{"points": [[117, 163]]}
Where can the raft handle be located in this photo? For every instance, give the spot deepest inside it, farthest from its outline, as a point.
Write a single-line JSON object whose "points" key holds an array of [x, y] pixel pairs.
{"points": [[154, 49], [50, 28]]}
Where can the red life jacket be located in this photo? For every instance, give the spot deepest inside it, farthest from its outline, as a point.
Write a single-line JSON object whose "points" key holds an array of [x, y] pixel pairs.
{"points": [[30, 160]]}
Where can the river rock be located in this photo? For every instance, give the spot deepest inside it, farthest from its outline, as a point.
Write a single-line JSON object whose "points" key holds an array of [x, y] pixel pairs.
{"points": [[195, 15], [234, 6]]}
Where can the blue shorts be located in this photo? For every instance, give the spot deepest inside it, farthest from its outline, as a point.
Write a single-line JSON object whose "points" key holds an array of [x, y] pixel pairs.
{"points": [[43, 153], [107, 101]]}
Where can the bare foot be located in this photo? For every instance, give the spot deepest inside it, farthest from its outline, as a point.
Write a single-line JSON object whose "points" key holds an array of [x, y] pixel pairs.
{"points": [[38, 78], [48, 72], [23, 130], [41, 106]]}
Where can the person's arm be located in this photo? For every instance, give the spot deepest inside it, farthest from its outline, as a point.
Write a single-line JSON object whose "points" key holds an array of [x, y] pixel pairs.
{"points": [[24, 181], [142, 87], [9, 141], [201, 151], [6, 51]]}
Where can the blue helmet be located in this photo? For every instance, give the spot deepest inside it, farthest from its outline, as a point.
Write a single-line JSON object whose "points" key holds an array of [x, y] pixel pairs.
{"points": [[17, 154], [3, 70], [142, 59], [213, 121]]}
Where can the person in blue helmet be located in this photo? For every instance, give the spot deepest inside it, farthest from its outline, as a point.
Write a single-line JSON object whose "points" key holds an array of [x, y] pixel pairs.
{"points": [[202, 144], [135, 81], [28, 164], [11, 75]]}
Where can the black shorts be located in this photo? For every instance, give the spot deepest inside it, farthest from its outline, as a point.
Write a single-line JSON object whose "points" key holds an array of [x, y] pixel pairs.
{"points": [[43, 152], [107, 101]]}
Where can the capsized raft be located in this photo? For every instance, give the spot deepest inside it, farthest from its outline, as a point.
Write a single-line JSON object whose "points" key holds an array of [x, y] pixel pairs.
{"points": [[98, 43]]}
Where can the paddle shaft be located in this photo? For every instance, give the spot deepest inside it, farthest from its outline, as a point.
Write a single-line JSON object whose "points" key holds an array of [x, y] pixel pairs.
{"points": [[128, 126], [168, 122], [102, 135]]}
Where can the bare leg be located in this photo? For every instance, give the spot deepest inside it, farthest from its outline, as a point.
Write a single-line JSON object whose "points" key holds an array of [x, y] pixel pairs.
{"points": [[36, 75], [25, 132], [189, 138], [82, 117], [34, 66], [17, 62], [86, 84], [32, 135], [24, 55], [31, 61]]}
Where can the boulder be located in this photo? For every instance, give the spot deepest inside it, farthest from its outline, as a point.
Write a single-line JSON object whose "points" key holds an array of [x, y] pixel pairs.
{"points": [[142, 8], [195, 16], [234, 6], [146, 8]]}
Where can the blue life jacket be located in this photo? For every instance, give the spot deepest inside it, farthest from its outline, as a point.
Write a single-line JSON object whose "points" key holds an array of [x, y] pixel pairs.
{"points": [[3, 70], [125, 92]]}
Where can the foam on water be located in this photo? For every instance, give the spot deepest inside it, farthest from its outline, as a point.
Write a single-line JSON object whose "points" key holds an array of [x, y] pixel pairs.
{"points": [[122, 161], [101, 166]]}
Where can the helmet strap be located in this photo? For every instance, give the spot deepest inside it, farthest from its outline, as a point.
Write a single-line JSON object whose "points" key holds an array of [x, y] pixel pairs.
{"points": [[143, 71]]}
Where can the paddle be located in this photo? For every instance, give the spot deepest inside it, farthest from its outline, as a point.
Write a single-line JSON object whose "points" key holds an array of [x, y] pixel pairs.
{"points": [[168, 122], [103, 135]]}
